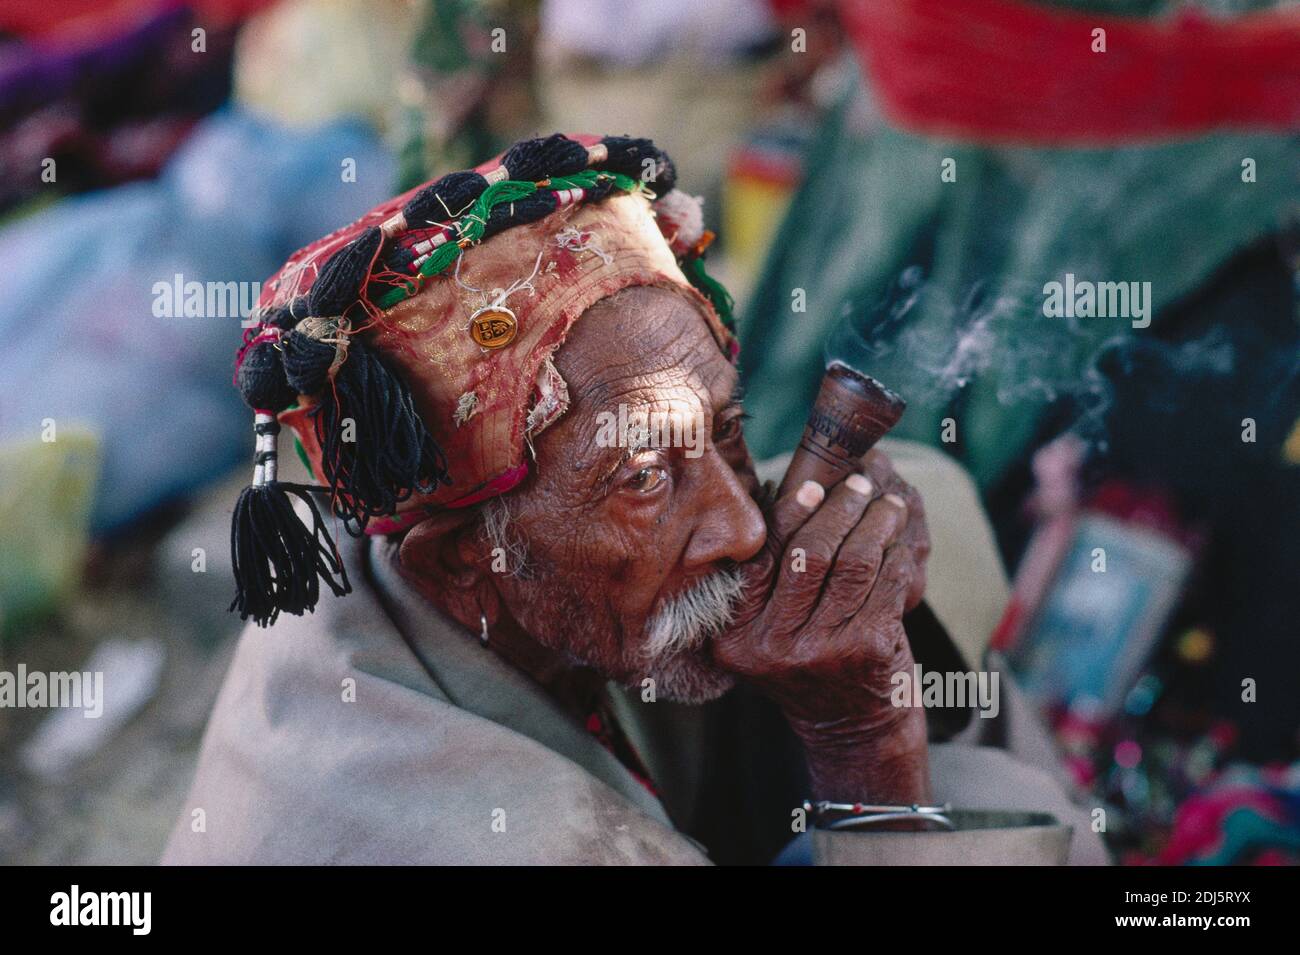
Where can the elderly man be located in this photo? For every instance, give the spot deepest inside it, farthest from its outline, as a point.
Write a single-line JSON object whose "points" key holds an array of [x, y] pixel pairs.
{"points": [[560, 638]]}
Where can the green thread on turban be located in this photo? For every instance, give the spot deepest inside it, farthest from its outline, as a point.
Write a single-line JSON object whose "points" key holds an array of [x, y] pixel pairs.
{"points": [[471, 225]]}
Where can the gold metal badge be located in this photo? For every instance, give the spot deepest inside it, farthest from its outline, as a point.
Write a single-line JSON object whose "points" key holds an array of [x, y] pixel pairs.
{"points": [[494, 326]]}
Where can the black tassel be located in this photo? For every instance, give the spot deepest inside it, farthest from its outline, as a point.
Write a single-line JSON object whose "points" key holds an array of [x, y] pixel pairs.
{"points": [[261, 378], [628, 155], [444, 199], [339, 284], [306, 362], [282, 316], [533, 159], [278, 561], [391, 455]]}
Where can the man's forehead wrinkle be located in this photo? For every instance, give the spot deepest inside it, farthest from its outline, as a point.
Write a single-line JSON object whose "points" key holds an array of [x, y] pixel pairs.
{"points": [[646, 350], [672, 385], [640, 327], [706, 390], [636, 350], [679, 400], [725, 387], [618, 381]]}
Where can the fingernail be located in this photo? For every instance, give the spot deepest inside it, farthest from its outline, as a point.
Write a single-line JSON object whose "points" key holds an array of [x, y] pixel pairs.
{"points": [[860, 484], [810, 494], [895, 500]]}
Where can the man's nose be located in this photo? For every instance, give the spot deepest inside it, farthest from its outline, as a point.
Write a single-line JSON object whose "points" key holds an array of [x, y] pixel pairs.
{"points": [[730, 525]]}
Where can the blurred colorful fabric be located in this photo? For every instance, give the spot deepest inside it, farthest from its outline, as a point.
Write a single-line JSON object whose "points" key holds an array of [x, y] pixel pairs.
{"points": [[86, 280], [97, 93], [70, 19], [1247, 816]]}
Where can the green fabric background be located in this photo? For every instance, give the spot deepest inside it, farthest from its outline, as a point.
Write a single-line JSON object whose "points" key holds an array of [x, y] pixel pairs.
{"points": [[873, 206]]}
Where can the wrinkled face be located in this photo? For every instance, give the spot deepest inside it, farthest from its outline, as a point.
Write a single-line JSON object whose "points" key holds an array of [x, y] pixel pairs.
{"points": [[641, 501]]}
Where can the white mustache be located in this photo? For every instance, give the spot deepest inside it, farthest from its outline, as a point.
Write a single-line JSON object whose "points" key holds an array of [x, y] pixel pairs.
{"points": [[686, 621]]}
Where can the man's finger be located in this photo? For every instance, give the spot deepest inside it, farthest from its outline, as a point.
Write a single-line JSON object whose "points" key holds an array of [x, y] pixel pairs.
{"points": [[889, 595], [791, 511], [860, 557], [810, 551], [877, 466]]}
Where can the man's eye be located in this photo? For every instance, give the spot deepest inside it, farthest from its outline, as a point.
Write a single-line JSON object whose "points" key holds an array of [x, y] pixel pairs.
{"points": [[729, 429], [647, 479]]}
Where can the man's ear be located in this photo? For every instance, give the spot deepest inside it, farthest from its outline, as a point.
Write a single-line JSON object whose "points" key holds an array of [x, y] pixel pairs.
{"points": [[442, 550]]}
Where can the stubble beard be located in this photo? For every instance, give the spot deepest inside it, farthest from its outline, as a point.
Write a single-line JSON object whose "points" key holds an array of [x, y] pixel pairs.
{"points": [[672, 649], [677, 639]]}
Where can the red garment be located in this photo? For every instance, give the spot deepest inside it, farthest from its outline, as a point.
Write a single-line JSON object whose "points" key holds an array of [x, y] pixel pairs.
{"points": [[97, 19], [1023, 72]]}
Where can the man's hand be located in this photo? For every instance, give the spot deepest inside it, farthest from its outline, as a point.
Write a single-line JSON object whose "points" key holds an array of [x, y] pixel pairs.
{"points": [[820, 631]]}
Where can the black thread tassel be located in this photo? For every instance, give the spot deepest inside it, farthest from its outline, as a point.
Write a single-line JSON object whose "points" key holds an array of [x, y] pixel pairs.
{"points": [[388, 455], [628, 155], [535, 159], [278, 561], [444, 200], [261, 378], [341, 278]]}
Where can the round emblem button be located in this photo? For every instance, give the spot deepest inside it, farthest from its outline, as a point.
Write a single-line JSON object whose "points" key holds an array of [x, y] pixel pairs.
{"points": [[494, 326]]}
